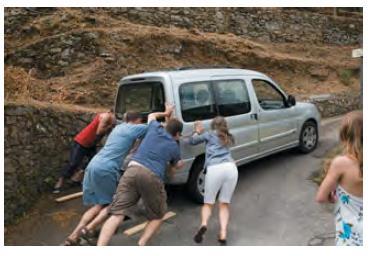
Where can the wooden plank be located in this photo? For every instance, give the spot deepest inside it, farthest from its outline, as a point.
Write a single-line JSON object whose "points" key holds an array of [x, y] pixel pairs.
{"points": [[139, 227], [68, 197]]}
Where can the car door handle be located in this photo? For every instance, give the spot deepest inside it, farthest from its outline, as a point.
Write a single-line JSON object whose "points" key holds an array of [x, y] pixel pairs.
{"points": [[254, 116]]}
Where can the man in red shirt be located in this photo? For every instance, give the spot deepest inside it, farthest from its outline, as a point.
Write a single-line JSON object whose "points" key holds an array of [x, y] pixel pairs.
{"points": [[84, 144]]}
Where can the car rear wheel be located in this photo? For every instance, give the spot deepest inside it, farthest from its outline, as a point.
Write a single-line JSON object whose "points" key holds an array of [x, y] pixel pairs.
{"points": [[197, 180], [309, 137]]}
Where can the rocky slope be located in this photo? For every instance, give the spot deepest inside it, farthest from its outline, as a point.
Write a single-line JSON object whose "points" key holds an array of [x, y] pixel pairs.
{"points": [[76, 56]]}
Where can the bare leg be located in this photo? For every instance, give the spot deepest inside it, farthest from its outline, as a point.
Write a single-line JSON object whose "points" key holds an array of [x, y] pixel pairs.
{"points": [[108, 229], [224, 219], [77, 176], [86, 218], [206, 214], [102, 216], [150, 229], [59, 183]]}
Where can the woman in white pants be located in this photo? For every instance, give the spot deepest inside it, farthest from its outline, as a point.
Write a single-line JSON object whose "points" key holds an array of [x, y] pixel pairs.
{"points": [[221, 175]]}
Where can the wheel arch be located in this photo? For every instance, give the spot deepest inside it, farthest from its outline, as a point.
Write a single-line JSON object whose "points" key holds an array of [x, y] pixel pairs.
{"points": [[197, 160]]}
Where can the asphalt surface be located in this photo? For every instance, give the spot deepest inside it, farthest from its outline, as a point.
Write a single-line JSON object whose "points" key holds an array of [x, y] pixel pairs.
{"points": [[273, 204]]}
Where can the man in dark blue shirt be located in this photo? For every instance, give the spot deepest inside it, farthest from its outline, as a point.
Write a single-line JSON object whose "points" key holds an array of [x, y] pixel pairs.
{"points": [[144, 177]]}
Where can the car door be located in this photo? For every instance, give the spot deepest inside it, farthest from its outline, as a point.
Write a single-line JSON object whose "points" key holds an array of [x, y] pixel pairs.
{"points": [[276, 120], [233, 102]]}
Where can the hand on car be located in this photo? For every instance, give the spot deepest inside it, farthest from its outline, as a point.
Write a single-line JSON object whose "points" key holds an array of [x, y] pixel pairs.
{"points": [[169, 108], [198, 127]]}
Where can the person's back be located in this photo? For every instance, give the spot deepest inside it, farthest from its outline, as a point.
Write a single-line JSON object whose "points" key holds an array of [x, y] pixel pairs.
{"points": [[216, 152], [349, 204], [118, 144], [351, 180], [157, 149], [343, 183]]}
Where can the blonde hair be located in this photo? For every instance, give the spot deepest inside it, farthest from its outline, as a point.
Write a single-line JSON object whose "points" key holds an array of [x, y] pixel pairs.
{"points": [[351, 136], [219, 124]]}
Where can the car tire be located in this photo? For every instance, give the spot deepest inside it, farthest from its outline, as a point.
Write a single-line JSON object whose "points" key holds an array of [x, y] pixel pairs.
{"points": [[309, 137], [195, 185]]}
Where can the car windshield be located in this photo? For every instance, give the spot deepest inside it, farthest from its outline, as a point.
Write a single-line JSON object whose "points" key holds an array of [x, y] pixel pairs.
{"points": [[145, 97]]}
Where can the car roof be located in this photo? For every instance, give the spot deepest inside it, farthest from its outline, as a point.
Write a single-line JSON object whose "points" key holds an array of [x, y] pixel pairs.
{"points": [[194, 73]]}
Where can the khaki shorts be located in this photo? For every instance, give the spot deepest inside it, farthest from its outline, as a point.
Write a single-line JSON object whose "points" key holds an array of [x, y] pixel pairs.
{"points": [[139, 182]]}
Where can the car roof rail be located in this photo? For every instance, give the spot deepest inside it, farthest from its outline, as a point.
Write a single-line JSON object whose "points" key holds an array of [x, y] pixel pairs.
{"points": [[202, 67], [193, 68]]}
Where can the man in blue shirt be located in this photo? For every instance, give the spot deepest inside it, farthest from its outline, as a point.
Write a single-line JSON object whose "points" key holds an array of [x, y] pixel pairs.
{"points": [[144, 178]]}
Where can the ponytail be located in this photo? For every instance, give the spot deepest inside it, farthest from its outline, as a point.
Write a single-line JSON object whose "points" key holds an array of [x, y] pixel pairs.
{"points": [[219, 124]]}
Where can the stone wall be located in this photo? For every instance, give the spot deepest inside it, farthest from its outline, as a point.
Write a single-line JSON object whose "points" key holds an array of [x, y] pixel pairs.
{"points": [[336, 104], [266, 24], [37, 144]]}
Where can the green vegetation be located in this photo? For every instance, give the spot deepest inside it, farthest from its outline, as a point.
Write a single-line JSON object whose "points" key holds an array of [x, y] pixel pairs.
{"points": [[345, 76]]}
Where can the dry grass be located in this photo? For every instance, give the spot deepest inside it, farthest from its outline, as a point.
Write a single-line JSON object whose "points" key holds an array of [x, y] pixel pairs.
{"points": [[318, 176], [136, 48]]}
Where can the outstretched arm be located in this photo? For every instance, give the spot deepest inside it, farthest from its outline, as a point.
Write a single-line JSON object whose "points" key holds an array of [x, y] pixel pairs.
{"points": [[167, 113], [199, 136], [104, 124], [173, 167]]}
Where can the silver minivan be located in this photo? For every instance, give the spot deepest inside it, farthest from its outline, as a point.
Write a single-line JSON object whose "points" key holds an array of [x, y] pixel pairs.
{"points": [[261, 116]]}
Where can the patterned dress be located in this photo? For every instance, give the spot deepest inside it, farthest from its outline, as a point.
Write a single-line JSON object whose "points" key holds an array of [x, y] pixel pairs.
{"points": [[348, 218]]}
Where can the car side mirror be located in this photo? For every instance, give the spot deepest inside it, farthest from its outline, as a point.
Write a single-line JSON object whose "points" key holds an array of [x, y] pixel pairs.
{"points": [[291, 101]]}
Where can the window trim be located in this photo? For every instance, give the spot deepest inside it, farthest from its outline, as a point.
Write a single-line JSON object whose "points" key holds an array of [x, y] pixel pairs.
{"points": [[274, 88], [215, 95]]}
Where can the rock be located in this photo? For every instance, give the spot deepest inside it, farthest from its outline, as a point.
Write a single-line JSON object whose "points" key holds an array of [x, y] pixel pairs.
{"points": [[109, 59], [105, 54], [25, 60], [320, 97], [91, 36], [68, 42], [319, 73], [66, 54], [30, 30], [90, 20], [63, 63], [219, 15], [272, 26], [81, 55], [55, 50]]}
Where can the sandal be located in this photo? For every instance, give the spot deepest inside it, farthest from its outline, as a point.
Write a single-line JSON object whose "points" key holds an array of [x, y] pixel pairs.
{"points": [[89, 236], [57, 190], [198, 238], [222, 242], [71, 242]]}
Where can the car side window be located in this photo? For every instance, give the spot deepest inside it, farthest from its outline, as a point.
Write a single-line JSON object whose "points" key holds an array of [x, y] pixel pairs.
{"points": [[197, 101], [268, 96], [232, 97]]}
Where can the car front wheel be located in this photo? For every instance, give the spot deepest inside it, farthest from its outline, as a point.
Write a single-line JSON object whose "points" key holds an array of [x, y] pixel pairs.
{"points": [[309, 137]]}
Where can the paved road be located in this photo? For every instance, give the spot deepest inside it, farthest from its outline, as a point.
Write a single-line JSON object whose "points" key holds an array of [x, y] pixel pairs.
{"points": [[273, 205]]}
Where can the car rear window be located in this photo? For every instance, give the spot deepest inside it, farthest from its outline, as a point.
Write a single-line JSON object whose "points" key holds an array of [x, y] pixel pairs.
{"points": [[144, 97]]}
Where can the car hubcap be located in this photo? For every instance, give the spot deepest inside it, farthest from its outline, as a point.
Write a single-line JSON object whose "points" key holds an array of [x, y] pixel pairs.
{"points": [[309, 137], [201, 181]]}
